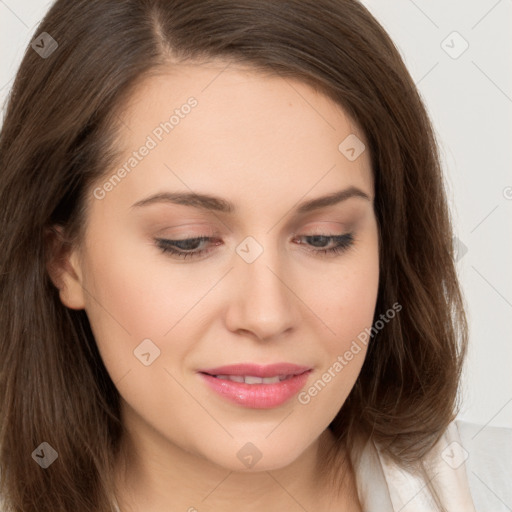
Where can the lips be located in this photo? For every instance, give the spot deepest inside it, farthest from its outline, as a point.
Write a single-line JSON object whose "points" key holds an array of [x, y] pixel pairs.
{"points": [[253, 379], [256, 386], [281, 370]]}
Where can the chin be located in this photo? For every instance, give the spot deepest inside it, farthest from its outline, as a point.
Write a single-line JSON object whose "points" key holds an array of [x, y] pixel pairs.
{"points": [[255, 456]]}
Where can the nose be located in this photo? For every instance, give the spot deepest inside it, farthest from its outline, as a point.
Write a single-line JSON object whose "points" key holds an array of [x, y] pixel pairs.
{"points": [[262, 301]]}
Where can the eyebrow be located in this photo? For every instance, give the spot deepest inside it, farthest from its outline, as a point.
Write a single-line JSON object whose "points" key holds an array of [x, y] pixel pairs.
{"points": [[218, 204]]}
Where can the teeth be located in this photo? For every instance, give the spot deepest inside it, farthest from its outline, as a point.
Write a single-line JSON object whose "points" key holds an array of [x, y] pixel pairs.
{"points": [[278, 378], [234, 378], [249, 379]]}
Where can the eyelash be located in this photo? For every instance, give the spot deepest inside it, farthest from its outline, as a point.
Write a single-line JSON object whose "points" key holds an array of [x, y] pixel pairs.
{"points": [[344, 242]]}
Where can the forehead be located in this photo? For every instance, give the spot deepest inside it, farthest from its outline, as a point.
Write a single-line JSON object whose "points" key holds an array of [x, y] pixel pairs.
{"points": [[236, 96], [248, 131]]}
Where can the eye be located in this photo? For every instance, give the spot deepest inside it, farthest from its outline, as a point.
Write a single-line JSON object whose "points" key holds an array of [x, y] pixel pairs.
{"points": [[188, 247], [338, 243], [194, 247]]}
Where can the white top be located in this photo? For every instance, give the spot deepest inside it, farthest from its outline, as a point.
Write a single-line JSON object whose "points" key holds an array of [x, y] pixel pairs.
{"points": [[470, 469]]}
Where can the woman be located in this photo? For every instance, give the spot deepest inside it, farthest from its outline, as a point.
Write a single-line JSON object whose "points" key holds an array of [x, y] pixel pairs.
{"points": [[227, 276]]}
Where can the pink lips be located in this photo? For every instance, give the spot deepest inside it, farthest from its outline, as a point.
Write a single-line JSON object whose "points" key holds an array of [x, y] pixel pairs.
{"points": [[261, 395]]}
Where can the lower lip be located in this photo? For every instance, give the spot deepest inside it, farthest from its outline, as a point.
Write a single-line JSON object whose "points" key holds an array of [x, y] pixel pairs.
{"points": [[257, 396]]}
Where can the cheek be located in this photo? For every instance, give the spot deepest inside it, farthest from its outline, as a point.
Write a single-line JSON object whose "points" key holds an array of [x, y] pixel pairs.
{"points": [[125, 305], [347, 297], [133, 297], [348, 306]]}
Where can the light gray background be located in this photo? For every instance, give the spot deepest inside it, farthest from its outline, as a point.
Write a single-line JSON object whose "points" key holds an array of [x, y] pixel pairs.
{"points": [[469, 99]]}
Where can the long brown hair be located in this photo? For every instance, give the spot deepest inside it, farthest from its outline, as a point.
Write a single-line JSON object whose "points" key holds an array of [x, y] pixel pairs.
{"points": [[59, 137]]}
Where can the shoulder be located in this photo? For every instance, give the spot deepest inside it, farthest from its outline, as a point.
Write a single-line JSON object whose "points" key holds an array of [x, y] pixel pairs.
{"points": [[486, 451], [469, 469]]}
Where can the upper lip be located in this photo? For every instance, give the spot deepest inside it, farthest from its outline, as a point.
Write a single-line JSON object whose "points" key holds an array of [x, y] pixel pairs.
{"points": [[256, 370]]}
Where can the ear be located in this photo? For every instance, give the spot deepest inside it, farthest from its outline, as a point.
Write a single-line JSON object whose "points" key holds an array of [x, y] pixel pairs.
{"points": [[64, 269]]}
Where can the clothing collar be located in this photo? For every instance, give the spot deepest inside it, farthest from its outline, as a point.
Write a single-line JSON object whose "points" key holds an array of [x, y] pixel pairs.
{"points": [[384, 486]]}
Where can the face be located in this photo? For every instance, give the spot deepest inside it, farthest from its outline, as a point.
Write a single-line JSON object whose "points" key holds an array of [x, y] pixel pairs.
{"points": [[254, 272]]}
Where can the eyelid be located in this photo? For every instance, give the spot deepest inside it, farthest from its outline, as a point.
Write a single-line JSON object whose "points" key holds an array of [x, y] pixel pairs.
{"points": [[188, 231], [345, 242]]}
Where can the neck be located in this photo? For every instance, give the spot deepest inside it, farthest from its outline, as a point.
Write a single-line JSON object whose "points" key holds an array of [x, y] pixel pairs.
{"points": [[156, 475]]}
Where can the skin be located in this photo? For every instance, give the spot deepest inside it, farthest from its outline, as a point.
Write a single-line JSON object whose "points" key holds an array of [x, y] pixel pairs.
{"points": [[265, 144]]}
